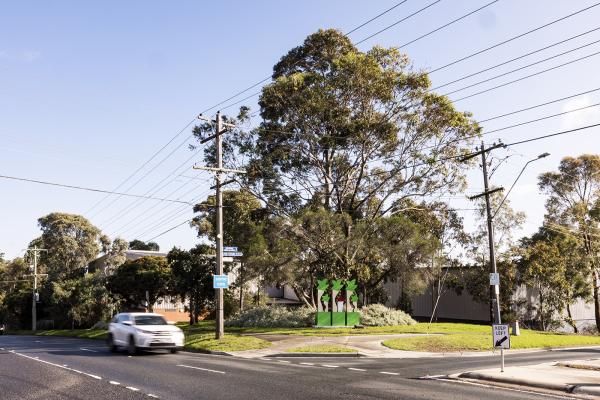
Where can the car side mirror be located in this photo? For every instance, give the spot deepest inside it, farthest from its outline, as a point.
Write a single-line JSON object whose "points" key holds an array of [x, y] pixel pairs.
{"points": [[127, 323], [171, 322]]}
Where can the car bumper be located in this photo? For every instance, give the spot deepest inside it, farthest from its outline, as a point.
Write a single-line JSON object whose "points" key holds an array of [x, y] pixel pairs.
{"points": [[159, 342]]}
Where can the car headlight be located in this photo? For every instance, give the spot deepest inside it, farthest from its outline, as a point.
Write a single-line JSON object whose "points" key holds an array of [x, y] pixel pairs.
{"points": [[143, 332]]}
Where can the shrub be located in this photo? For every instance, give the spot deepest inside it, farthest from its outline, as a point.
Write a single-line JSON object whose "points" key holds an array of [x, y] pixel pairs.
{"points": [[380, 315], [273, 317]]}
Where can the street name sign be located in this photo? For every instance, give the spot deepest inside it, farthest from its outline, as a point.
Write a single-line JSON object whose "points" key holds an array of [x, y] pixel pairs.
{"points": [[232, 254], [494, 279], [501, 337], [220, 282], [230, 249]]}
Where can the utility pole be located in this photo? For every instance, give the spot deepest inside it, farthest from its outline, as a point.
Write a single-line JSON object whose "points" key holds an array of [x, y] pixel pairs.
{"points": [[219, 130], [494, 289], [35, 296]]}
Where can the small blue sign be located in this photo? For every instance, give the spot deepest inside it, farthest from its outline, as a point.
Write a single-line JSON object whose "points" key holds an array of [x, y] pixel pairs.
{"points": [[220, 282], [233, 254], [230, 249]]}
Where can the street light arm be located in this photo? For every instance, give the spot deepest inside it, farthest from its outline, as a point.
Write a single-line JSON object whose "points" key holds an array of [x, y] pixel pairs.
{"points": [[516, 180]]}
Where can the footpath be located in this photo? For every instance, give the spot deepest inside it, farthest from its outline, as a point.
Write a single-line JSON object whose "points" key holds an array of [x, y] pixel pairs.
{"points": [[575, 377]]}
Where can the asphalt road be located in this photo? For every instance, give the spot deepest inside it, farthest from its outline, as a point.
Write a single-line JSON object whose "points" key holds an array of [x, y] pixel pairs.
{"points": [[33, 367]]}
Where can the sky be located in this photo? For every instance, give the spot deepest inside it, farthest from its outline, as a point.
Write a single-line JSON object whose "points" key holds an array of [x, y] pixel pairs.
{"points": [[90, 91]]}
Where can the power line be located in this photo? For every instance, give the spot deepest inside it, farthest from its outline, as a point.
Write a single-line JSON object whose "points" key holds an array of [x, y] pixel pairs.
{"points": [[538, 105], [143, 165], [169, 230], [526, 77], [375, 17], [398, 22], [90, 189], [513, 38], [508, 72], [552, 135], [145, 175], [448, 24]]}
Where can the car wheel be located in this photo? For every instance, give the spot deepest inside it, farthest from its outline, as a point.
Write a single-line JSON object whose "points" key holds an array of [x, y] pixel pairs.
{"points": [[173, 351], [111, 343], [131, 348]]}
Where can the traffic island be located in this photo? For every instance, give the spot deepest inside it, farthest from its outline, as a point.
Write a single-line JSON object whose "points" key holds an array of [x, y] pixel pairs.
{"points": [[547, 376]]}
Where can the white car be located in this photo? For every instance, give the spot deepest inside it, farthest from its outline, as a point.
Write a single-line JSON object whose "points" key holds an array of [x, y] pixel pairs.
{"points": [[137, 331]]}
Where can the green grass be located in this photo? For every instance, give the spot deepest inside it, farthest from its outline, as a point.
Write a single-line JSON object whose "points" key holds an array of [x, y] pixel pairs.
{"points": [[479, 340], [207, 342], [325, 348], [440, 327], [198, 338]]}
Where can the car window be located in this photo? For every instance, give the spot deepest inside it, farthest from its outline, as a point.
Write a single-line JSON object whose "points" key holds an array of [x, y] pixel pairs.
{"points": [[122, 318], [149, 320]]}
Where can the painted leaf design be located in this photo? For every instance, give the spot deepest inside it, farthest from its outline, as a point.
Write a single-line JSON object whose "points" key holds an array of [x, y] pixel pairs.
{"points": [[322, 284], [337, 284], [351, 285]]}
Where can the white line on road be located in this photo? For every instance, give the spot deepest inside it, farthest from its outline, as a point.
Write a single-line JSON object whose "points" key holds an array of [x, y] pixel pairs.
{"points": [[284, 361], [389, 373], [114, 382], [357, 369], [84, 349], [201, 369], [132, 388], [307, 364], [330, 366], [56, 365], [153, 396]]}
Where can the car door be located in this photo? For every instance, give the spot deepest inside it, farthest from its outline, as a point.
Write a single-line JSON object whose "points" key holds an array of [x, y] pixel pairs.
{"points": [[121, 329]]}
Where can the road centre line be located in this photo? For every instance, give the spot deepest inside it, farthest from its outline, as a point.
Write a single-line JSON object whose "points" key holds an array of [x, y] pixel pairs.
{"points": [[389, 373], [330, 366], [305, 363], [357, 369], [201, 369], [114, 382], [284, 361], [84, 349], [134, 389]]}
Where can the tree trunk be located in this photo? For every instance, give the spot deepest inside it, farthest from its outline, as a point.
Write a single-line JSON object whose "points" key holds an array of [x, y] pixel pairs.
{"points": [[542, 322], [242, 287], [596, 300], [570, 320]]}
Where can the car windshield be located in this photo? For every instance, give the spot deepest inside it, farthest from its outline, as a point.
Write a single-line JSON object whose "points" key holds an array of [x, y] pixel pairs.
{"points": [[150, 320]]}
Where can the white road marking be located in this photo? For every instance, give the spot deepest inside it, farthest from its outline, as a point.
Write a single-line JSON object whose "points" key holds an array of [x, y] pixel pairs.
{"points": [[542, 394], [114, 383], [132, 388], [84, 349], [330, 366], [283, 361], [1, 348], [307, 364], [56, 365], [357, 369], [153, 396], [201, 369], [389, 373]]}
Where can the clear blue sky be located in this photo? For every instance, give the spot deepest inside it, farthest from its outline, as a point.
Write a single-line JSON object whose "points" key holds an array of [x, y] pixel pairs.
{"points": [[90, 90]]}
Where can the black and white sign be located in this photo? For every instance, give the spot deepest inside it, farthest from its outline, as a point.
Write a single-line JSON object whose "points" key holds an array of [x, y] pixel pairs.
{"points": [[501, 337]]}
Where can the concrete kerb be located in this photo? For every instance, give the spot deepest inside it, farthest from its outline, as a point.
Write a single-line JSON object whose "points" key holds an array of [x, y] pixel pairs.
{"points": [[318, 355], [513, 381]]}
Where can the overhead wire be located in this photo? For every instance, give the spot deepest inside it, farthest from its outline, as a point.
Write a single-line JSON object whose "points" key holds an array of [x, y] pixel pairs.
{"points": [[63, 185]]}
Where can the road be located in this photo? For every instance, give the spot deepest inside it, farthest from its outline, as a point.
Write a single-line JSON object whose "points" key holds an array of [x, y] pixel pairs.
{"points": [[33, 367]]}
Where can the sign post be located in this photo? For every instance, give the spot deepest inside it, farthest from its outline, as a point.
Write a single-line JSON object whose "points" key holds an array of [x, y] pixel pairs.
{"points": [[501, 340]]}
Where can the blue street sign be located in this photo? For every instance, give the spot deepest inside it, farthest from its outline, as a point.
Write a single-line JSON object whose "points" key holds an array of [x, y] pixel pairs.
{"points": [[233, 254], [230, 249], [220, 282]]}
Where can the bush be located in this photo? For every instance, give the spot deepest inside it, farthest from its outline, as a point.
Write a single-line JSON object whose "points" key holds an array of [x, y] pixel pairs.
{"points": [[380, 315], [273, 317]]}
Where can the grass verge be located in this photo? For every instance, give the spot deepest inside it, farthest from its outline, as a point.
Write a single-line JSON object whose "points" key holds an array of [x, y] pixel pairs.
{"points": [[479, 341], [325, 348], [194, 341]]}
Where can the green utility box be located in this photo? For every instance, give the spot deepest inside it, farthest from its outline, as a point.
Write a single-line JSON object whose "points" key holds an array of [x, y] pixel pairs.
{"points": [[338, 318], [323, 318], [352, 318]]}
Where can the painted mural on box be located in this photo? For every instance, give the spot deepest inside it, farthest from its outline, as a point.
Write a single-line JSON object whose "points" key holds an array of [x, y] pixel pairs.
{"points": [[337, 304]]}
